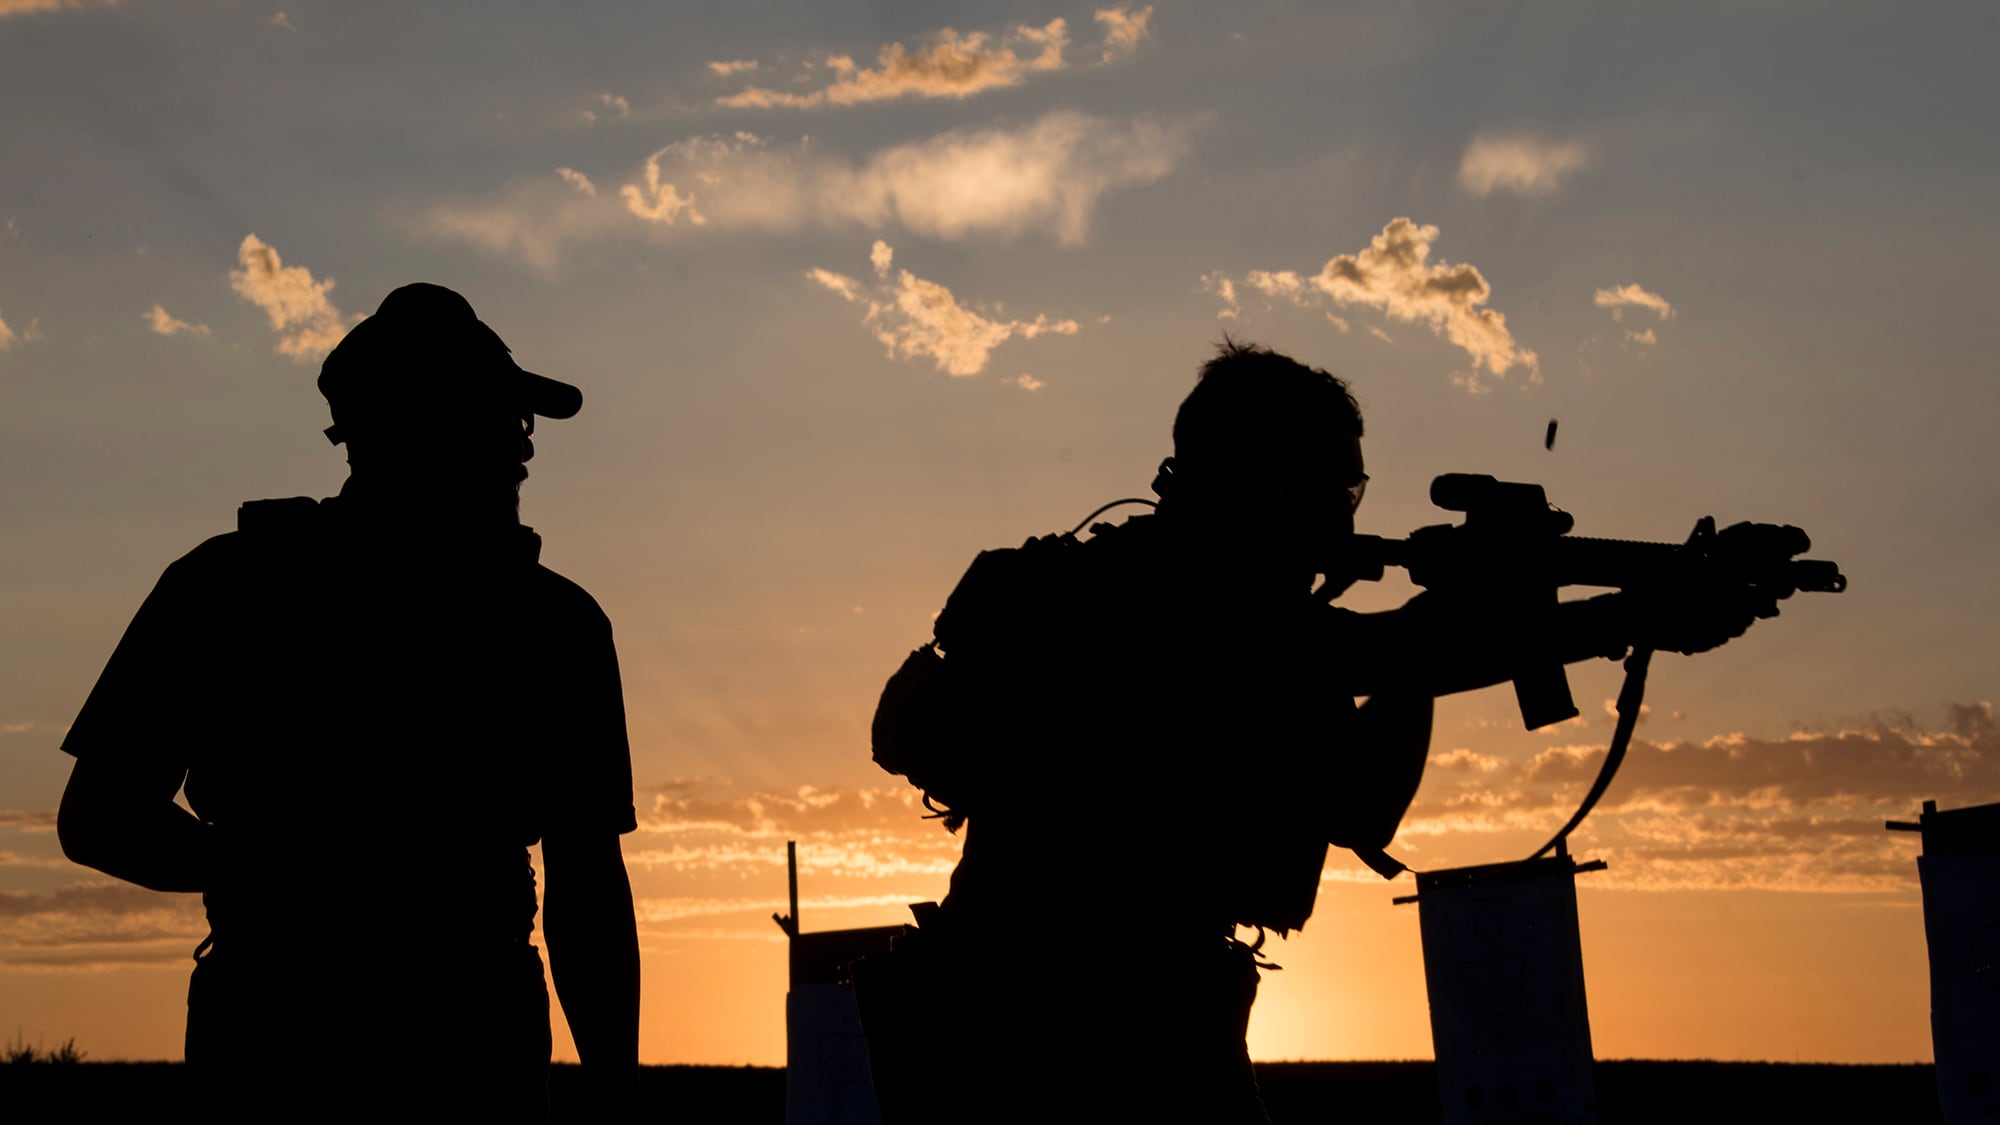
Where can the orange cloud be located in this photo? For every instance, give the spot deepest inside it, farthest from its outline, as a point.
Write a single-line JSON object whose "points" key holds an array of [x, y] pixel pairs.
{"points": [[89, 924], [1395, 275], [1801, 813], [700, 847], [1220, 284], [1621, 297], [307, 323], [1124, 27], [915, 318], [159, 320], [947, 64], [27, 7]]}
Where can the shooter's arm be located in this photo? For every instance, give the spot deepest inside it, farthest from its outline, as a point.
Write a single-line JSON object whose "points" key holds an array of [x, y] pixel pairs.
{"points": [[1436, 645]]}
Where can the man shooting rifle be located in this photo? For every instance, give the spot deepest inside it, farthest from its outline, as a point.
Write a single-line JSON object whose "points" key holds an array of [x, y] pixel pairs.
{"points": [[1152, 737]]}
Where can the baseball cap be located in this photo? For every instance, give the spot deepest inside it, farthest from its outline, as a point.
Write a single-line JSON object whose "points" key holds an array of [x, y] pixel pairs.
{"points": [[426, 355]]}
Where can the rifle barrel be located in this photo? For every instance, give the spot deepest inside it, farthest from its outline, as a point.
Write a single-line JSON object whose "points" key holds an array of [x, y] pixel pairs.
{"points": [[1581, 560]]}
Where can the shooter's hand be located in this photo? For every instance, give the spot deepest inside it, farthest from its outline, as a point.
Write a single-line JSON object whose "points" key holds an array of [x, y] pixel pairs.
{"points": [[1711, 606]]}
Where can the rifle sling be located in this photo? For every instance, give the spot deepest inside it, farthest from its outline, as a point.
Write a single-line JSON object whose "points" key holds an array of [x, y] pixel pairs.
{"points": [[1630, 696]]}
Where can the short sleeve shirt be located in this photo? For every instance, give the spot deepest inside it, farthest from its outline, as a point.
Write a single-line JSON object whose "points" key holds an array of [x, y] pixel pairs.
{"points": [[401, 721]]}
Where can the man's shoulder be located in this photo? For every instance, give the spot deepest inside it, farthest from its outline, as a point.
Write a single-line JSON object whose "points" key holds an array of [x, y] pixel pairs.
{"points": [[1050, 583], [557, 594], [259, 525], [219, 558]]}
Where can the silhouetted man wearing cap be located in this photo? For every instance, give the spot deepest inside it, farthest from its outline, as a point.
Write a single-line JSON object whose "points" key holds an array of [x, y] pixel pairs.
{"points": [[377, 703]]}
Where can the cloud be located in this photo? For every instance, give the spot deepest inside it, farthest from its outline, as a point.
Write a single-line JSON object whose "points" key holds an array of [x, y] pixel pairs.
{"points": [[727, 67], [1047, 175], [914, 318], [29, 820], [661, 202], [1394, 274], [1283, 285], [1027, 382], [1220, 284], [28, 7], [862, 833], [1619, 298], [1464, 761], [307, 323], [679, 907], [846, 286], [1645, 337], [49, 862], [533, 220], [946, 64], [159, 320], [1520, 164], [8, 337], [1801, 813], [95, 914], [283, 22], [1123, 29], [616, 103]]}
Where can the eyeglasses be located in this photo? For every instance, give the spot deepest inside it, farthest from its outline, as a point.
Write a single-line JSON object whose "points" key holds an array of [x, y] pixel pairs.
{"points": [[1355, 492]]}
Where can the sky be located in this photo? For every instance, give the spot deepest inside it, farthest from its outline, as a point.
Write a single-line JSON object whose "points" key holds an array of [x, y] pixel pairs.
{"points": [[854, 292]]}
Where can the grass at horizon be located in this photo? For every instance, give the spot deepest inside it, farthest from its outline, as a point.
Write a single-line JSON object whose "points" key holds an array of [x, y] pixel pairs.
{"points": [[1630, 1092]]}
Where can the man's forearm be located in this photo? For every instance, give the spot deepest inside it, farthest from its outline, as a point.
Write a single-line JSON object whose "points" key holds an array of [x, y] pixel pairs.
{"points": [[130, 832], [1432, 647], [594, 960]]}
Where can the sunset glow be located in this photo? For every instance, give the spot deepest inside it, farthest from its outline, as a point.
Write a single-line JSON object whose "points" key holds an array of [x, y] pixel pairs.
{"points": [[852, 298]]}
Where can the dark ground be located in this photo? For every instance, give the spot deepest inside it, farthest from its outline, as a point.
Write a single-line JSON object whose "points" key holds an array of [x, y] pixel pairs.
{"points": [[1629, 1093]]}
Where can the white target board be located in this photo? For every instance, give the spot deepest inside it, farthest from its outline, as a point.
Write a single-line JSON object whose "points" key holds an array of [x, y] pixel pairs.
{"points": [[1504, 972]]}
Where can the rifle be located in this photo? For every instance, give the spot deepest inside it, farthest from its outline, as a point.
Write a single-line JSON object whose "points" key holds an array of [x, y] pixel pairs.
{"points": [[1515, 548]]}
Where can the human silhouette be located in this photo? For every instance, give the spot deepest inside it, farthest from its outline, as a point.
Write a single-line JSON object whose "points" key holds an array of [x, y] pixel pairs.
{"points": [[377, 703], [1151, 737]]}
